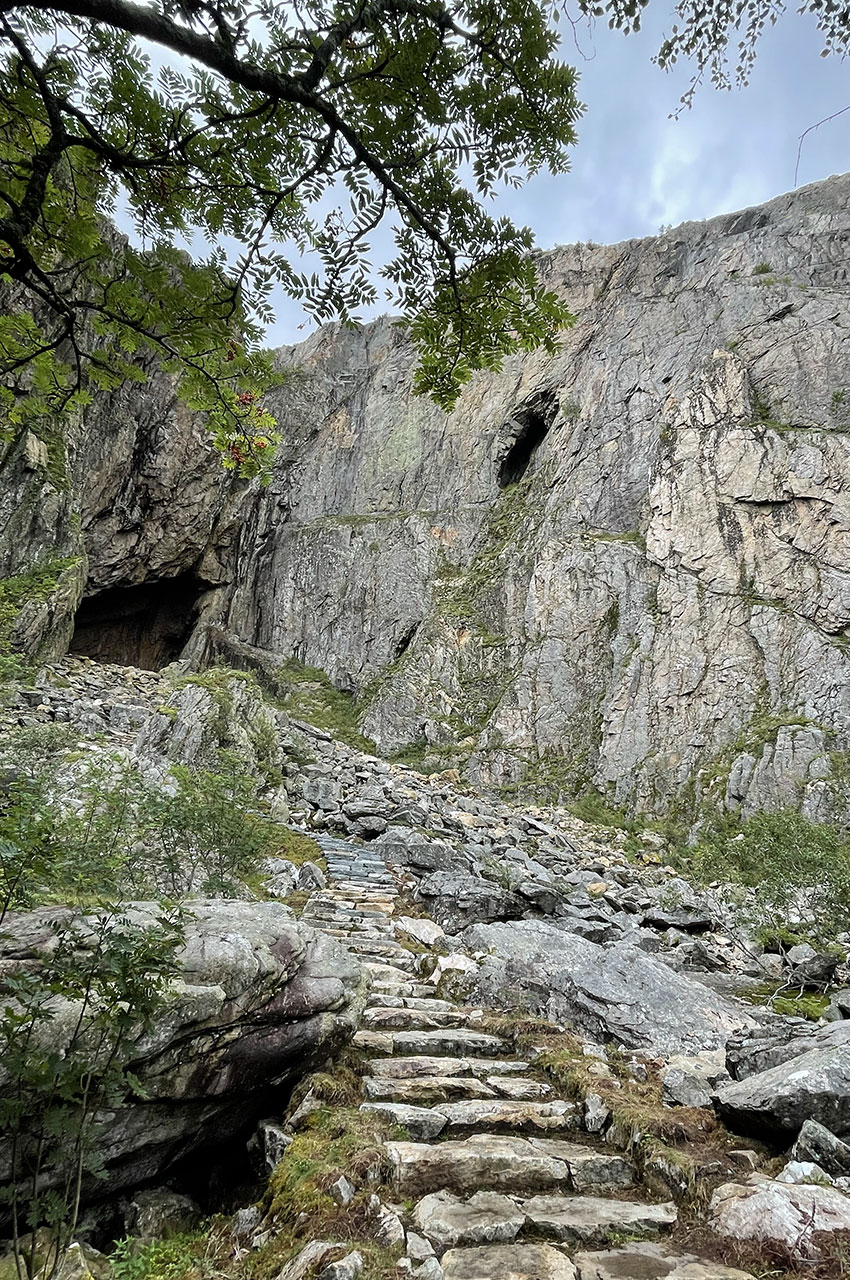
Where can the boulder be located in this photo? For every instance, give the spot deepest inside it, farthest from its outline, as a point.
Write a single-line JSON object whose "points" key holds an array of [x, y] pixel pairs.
{"points": [[780, 1212], [816, 1143], [259, 999], [780, 1040], [616, 992], [456, 900], [774, 1103]]}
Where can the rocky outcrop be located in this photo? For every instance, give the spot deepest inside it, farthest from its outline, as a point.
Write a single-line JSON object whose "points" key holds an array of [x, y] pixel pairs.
{"points": [[625, 566], [258, 999], [615, 992]]}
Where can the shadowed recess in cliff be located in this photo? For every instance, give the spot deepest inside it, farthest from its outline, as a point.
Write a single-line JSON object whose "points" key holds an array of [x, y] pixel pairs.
{"points": [[529, 428], [141, 626]]}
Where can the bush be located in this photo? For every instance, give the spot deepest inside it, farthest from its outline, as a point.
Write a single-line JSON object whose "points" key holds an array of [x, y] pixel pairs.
{"points": [[67, 1029], [77, 830], [800, 868]]}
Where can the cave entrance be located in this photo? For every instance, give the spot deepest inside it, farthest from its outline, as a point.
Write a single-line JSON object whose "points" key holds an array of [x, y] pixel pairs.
{"points": [[144, 626], [530, 426]]}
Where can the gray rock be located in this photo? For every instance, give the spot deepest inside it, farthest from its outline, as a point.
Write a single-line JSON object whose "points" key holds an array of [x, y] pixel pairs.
{"points": [[764, 1209], [508, 1262], [811, 1086], [456, 901], [815, 1143], [839, 1005], [348, 1268], [815, 972], [158, 1213], [798, 1172], [311, 876], [342, 1192], [648, 1261], [778, 1041], [605, 992]]}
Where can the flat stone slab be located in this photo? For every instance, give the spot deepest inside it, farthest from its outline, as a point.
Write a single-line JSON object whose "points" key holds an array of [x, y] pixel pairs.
{"points": [[489, 1217], [425, 1089], [507, 1114], [651, 1262], [423, 1065], [508, 1262], [422, 1123], [485, 1218], [519, 1089], [590, 1220], [491, 1162], [458, 1042], [414, 1019]]}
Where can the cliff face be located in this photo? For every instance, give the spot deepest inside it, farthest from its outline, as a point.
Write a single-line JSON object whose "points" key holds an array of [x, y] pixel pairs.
{"points": [[627, 566]]}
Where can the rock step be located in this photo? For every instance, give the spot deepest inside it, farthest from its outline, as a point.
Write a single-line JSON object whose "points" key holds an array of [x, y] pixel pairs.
{"points": [[511, 1262], [377, 1019], [459, 1041], [403, 988], [394, 951], [490, 1116], [387, 972], [427, 1004], [403, 1068], [495, 1163], [426, 1089], [577, 1221]]}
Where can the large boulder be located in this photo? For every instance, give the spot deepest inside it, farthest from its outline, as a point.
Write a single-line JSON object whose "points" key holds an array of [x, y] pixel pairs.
{"points": [[759, 1048], [616, 992], [259, 999], [811, 1086], [456, 900]]}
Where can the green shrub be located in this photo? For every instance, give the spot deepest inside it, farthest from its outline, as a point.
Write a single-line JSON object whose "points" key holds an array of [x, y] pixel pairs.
{"points": [[200, 832], [797, 866], [61, 1072]]}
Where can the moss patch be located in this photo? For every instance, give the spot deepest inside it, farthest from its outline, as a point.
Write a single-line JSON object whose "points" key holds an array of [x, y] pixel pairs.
{"points": [[308, 694]]}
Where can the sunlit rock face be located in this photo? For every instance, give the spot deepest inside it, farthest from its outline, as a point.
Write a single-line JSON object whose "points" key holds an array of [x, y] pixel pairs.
{"points": [[626, 566]]}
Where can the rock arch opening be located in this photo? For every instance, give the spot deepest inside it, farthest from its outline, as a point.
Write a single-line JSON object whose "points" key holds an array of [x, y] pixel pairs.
{"points": [[531, 426], [141, 626]]}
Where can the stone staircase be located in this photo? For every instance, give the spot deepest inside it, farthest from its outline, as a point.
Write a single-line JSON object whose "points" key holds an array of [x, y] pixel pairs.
{"points": [[498, 1178]]}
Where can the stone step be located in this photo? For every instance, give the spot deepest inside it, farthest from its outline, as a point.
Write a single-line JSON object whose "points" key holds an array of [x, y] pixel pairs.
{"points": [[435, 1066], [379, 948], [388, 972], [492, 1162], [403, 988], [510, 1262], [576, 1221], [380, 999], [425, 1089], [497, 1115], [459, 1041], [377, 1019], [651, 1261]]}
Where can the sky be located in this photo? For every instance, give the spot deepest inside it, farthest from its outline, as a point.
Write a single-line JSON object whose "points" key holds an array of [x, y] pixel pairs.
{"points": [[636, 169]]}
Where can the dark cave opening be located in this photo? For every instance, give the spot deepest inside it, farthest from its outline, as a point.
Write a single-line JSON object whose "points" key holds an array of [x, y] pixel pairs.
{"points": [[143, 626], [533, 428]]}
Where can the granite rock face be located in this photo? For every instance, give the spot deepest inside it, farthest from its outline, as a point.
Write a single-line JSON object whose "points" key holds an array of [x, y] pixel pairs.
{"points": [[627, 565]]}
